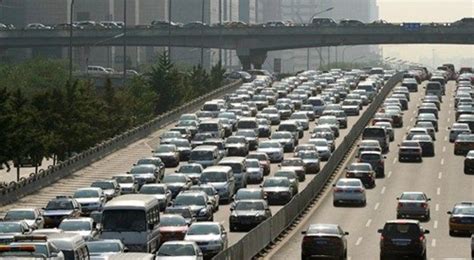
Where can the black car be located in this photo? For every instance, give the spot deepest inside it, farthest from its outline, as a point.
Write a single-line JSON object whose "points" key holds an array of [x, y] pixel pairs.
{"points": [[60, 208], [403, 238], [326, 241], [469, 163], [248, 214], [410, 150]]}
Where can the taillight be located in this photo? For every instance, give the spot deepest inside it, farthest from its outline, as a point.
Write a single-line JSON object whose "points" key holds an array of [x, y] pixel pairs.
{"points": [[422, 238], [400, 205], [360, 190], [381, 238], [349, 175], [337, 189], [424, 205], [306, 239], [454, 220]]}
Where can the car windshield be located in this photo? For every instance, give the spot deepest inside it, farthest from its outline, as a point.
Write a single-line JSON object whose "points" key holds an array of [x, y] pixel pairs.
{"points": [[180, 143], [308, 155], [247, 195], [279, 182], [124, 179], [410, 144], [359, 167], [299, 116], [75, 225], [465, 137], [369, 157], [213, 177], [141, 169], [245, 133], [172, 221], [319, 229], [235, 140], [103, 185], [465, 210], [174, 178], [421, 138], [269, 145], [176, 250], [189, 199], [292, 163], [211, 127], [59, 205], [171, 135], [186, 213], [200, 229], [289, 175], [280, 135], [20, 215], [327, 121], [104, 247], [412, 196], [208, 190], [86, 194], [10, 227], [190, 169], [249, 205], [252, 163], [152, 190], [165, 149], [373, 132]]}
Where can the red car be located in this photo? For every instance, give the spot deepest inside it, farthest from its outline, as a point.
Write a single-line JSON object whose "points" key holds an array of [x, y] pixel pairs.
{"points": [[172, 227]]}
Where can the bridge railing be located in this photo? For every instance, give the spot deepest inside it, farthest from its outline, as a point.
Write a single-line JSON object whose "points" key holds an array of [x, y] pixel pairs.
{"points": [[261, 236], [13, 191]]}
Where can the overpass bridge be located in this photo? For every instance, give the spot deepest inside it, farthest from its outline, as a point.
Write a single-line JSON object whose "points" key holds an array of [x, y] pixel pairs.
{"points": [[251, 43]]}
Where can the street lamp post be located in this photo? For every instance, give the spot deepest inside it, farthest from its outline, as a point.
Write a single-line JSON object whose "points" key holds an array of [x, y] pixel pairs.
{"points": [[124, 41], [310, 21], [71, 14], [169, 28]]}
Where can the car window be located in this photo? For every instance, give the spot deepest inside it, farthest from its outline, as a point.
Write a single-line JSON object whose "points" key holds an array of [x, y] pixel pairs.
{"points": [[396, 230]]}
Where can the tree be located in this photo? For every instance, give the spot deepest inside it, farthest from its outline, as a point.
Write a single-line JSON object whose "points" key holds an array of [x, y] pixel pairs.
{"points": [[5, 122], [217, 75]]}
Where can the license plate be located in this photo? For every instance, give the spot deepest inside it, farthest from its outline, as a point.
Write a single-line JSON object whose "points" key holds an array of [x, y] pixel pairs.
{"points": [[321, 242], [465, 221]]}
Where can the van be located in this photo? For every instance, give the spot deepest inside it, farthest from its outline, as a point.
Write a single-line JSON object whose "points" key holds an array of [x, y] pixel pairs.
{"points": [[248, 123], [239, 169], [222, 178], [213, 106], [134, 219], [292, 127], [379, 134], [212, 126], [434, 88], [205, 155], [73, 246]]}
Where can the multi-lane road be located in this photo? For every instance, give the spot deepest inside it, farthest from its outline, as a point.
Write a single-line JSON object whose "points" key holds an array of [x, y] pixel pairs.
{"points": [[440, 177]]}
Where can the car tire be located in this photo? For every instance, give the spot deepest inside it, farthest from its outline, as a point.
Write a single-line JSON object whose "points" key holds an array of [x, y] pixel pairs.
{"points": [[363, 203], [399, 216], [452, 233], [336, 204]]}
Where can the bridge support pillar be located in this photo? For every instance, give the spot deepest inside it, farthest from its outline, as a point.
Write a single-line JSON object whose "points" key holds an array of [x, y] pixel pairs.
{"points": [[249, 57]]}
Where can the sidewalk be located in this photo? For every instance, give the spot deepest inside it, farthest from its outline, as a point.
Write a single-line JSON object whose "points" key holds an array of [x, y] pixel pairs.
{"points": [[24, 171]]}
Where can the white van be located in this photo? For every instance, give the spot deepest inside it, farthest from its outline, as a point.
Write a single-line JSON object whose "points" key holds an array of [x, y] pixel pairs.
{"points": [[97, 70]]}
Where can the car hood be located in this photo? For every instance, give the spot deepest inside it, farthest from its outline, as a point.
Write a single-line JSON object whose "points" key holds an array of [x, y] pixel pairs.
{"points": [[173, 229], [109, 192], [57, 212], [309, 160], [87, 200], [269, 150], [234, 145], [144, 176], [175, 184], [218, 185], [83, 233], [283, 140]]}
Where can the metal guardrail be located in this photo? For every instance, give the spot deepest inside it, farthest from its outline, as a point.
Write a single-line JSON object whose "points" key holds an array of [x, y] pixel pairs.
{"points": [[27, 185], [258, 238]]}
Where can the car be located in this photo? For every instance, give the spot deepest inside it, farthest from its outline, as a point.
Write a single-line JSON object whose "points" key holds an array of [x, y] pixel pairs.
{"points": [[309, 110], [160, 191], [330, 121], [324, 241], [316, 21], [185, 132], [428, 117], [211, 192], [198, 202], [247, 214], [416, 131], [104, 248], [278, 190], [37, 244], [91, 199], [378, 134], [272, 114], [179, 250], [254, 171], [59, 208], [413, 205], [362, 171], [172, 227], [403, 238], [192, 170], [295, 164], [410, 150], [219, 143], [389, 128], [426, 143], [183, 146], [456, 129], [323, 147], [211, 237], [199, 139], [37, 26], [177, 182], [461, 219], [183, 211], [292, 176], [237, 146], [10, 229], [310, 160], [349, 190], [168, 153], [429, 127], [222, 179], [301, 117], [463, 144], [111, 188], [376, 159], [127, 183], [248, 194], [469, 162], [32, 216], [263, 159], [168, 136], [286, 139], [82, 226], [264, 129], [273, 149]]}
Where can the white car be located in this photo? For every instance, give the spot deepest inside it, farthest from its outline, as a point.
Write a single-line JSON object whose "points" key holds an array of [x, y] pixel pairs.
{"points": [[32, 216], [91, 199], [322, 146], [182, 250], [210, 236], [456, 129], [273, 149], [81, 226], [349, 190]]}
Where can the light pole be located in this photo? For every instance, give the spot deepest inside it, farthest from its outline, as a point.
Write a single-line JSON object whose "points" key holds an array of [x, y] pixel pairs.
{"points": [[202, 33], [310, 21], [124, 41], [169, 28], [71, 14]]}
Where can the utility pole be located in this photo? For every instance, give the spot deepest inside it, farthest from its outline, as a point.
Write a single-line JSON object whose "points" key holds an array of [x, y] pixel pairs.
{"points": [[202, 34], [71, 14], [220, 32], [169, 28], [124, 41]]}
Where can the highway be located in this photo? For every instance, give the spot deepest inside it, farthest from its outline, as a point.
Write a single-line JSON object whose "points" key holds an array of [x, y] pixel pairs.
{"points": [[440, 177], [121, 162]]}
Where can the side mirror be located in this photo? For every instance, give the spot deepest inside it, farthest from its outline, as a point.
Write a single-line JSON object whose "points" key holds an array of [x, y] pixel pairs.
{"points": [[334, 185], [151, 226], [379, 230], [346, 233], [126, 250], [54, 254], [429, 199], [134, 164], [170, 204], [231, 209], [385, 157], [449, 212], [303, 232], [426, 231]]}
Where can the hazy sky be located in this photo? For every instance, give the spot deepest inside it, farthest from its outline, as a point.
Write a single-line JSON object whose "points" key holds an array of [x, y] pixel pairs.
{"points": [[427, 11]]}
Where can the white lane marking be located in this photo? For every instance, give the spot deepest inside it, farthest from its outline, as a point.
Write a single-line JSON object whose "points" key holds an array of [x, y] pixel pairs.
{"points": [[407, 128], [368, 222], [446, 138], [389, 174], [394, 160], [442, 161], [383, 190], [376, 206], [437, 207], [444, 149], [449, 112], [414, 112], [359, 240], [450, 105], [433, 242], [449, 119], [438, 191], [440, 175], [435, 224], [411, 119]]}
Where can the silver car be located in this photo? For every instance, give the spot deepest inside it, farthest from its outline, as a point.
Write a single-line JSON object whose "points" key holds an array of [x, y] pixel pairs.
{"points": [[210, 236], [32, 217], [273, 149], [413, 205], [159, 191], [82, 226], [179, 250], [349, 190], [456, 129], [91, 199]]}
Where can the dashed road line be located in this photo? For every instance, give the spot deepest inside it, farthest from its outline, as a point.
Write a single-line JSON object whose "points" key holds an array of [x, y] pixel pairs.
{"points": [[359, 240], [438, 191], [389, 174], [383, 190], [394, 160], [435, 224], [449, 119], [440, 175], [446, 138], [376, 206], [442, 161], [433, 242], [444, 149], [437, 207], [411, 119], [368, 223]]}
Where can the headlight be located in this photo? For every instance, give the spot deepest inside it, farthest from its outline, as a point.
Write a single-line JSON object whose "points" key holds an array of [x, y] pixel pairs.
{"points": [[202, 212]]}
